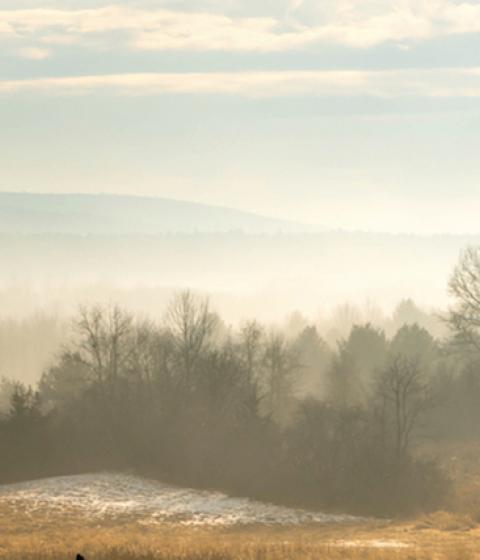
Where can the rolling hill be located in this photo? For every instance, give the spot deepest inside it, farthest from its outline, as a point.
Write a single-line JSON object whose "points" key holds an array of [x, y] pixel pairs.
{"points": [[103, 214]]}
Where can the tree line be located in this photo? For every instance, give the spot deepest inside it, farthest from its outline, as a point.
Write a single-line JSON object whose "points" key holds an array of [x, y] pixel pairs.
{"points": [[252, 411]]}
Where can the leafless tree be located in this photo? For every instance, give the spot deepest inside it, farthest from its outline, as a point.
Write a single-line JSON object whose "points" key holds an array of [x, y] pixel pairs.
{"points": [[251, 336], [403, 396], [103, 342], [464, 286], [142, 363], [280, 364], [192, 325]]}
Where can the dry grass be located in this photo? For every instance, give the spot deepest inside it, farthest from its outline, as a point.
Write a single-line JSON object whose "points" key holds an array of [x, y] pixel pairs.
{"points": [[29, 537], [452, 535]]}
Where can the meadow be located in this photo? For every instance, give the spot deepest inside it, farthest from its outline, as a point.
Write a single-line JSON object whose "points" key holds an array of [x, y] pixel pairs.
{"points": [[28, 533], [441, 536]]}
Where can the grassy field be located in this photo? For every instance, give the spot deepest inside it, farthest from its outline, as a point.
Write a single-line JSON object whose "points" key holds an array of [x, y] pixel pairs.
{"points": [[453, 535], [441, 536]]}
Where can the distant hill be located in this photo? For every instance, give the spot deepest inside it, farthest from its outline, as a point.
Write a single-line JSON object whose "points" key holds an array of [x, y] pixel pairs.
{"points": [[61, 250], [104, 214]]}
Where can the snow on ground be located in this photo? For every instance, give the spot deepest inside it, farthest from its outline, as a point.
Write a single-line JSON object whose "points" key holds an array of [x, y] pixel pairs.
{"points": [[372, 543], [113, 495]]}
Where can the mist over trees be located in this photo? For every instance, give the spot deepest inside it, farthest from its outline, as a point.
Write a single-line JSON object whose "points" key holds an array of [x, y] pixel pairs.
{"points": [[279, 414], [269, 274], [195, 403], [28, 342]]}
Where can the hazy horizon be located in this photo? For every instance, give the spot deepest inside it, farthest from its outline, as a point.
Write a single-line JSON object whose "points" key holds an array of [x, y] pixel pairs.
{"points": [[357, 116], [284, 219], [62, 251]]}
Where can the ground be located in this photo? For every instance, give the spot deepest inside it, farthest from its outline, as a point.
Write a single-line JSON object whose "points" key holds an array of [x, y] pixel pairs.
{"points": [[111, 517], [441, 536]]}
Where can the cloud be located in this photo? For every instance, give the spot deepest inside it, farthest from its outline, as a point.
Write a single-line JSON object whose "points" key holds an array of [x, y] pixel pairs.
{"points": [[387, 84], [154, 29], [343, 22], [33, 53]]}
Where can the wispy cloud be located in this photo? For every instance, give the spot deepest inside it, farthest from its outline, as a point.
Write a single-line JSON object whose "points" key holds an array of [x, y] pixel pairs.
{"points": [[345, 22], [401, 83]]}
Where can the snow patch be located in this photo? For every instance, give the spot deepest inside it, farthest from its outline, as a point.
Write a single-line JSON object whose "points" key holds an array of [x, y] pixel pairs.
{"points": [[113, 495], [373, 543]]}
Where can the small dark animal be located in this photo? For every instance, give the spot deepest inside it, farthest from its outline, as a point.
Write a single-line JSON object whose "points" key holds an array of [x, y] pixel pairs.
{"points": [[79, 557]]}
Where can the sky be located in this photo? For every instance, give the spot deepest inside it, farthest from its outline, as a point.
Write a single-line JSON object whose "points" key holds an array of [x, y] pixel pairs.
{"points": [[340, 113]]}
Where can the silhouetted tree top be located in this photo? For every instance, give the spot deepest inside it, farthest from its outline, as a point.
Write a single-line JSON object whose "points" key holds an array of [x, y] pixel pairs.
{"points": [[464, 286]]}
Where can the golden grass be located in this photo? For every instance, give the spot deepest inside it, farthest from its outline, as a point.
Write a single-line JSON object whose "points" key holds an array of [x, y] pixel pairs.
{"points": [[33, 536], [444, 535]]}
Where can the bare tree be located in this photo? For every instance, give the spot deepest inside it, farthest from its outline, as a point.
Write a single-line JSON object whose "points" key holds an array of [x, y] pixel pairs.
{"points": [[141, 363], [103, 334], [192, 325], [464, 286], [251, 336], [280, 364], [404, 396]]}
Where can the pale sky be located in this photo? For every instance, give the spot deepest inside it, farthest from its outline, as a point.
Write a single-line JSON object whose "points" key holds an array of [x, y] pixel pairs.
{"points": [[341, 113]]}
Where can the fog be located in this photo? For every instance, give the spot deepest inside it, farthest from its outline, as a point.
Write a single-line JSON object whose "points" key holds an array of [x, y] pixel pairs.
{"points": [[267, 275], [30, 343], [330, 280], [305, 368]]}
